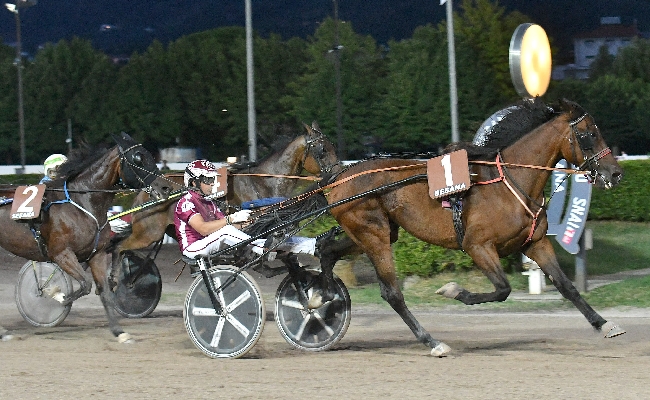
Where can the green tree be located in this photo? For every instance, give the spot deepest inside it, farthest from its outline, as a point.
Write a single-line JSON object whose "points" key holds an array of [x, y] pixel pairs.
{"points": [[277, 64], [313, 95], [9, 141], [93, 111], [633, 61], [209, 69], [602, 65], [619, 106], [487, 28], [51, 83], [144, 102], [416, 107]]}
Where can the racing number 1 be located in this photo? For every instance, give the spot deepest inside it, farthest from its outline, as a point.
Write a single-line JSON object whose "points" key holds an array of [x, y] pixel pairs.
{"points": [[446, 165]]}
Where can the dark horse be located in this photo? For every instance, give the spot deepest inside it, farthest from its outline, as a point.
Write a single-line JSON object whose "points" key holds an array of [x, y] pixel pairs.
{"points": [[73, 222], [271, 177], [498, 218]]}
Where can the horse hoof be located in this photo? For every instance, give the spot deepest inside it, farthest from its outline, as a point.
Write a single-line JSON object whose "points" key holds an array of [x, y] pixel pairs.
{"points": [[611, 330], [450, 290], [6, 338], [440, 350], [125, 338], [55, 293], [315, 301]]}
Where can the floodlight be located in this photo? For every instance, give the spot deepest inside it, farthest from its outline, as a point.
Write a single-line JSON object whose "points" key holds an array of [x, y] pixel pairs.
{"points": [[530, 60]]}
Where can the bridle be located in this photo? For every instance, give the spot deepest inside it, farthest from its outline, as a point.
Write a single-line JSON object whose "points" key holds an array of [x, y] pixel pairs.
{"points": [[316, 146], [132, 159], [586, 140]]}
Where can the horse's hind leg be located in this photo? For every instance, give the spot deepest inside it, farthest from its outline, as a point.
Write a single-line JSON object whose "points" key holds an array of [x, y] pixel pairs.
{"points": [[543, 254], [330, 251], [381, 256], [4, 334], [99, 264], [487, 260], [67, 260]]}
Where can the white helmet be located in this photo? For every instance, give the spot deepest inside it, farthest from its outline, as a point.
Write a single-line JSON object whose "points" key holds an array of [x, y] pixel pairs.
{"points": [[52, 162], [199, 170]]}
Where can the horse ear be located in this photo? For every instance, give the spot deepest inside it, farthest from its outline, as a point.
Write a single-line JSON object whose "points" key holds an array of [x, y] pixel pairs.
{"points": [[123, 139], [126, 136], [310, 131], [314, 126]]}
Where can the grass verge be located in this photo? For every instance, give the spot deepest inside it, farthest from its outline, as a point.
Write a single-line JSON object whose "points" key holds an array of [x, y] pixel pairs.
{"points": [[618, 246]]}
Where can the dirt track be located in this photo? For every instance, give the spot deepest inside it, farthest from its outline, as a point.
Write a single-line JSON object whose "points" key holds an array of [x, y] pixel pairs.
{"points": [[495, 355]]}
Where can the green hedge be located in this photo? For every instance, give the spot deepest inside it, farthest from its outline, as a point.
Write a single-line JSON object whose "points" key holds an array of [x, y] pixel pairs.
{"points": [[630, 200]]}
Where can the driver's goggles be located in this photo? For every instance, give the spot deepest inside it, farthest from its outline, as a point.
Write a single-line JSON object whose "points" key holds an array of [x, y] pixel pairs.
{"points": [[208, 180]]}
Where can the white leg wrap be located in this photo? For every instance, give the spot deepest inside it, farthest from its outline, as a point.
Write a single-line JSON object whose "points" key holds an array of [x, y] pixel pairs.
{"points": [[125, 338], [441, 350]]}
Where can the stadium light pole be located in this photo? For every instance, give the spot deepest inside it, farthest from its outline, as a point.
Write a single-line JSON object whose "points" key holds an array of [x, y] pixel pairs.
{"points": [[453, 91], [15, 8], [250, 83]]}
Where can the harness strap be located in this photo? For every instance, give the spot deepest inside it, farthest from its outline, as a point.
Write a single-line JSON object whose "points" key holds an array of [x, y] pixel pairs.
{"points": [[69, 200], [42, 246], [502, 178]]}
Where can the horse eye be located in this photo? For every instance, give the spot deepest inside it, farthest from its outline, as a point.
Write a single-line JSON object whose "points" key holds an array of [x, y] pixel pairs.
{"points": [[137, 158]]}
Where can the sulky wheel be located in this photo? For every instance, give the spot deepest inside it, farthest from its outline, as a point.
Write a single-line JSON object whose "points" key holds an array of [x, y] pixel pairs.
{"points": [[233, 332], [312, 330], [41, 288], [138, 287]]}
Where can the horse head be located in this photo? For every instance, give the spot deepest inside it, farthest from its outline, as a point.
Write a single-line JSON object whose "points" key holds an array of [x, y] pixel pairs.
{"points": [[138, 168], [587, 148], [320, 155]]}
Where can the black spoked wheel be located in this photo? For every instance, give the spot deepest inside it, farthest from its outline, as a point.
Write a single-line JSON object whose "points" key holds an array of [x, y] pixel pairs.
{"points": [[312, 330], [234, 331], [41, 288], [139, 286]]}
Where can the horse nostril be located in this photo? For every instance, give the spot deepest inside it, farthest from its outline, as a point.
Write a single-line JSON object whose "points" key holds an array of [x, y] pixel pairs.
{"points": [[616, 177]]}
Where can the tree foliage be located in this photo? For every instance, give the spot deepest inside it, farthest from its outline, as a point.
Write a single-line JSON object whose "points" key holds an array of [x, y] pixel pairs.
{"points": [[193, 91]]}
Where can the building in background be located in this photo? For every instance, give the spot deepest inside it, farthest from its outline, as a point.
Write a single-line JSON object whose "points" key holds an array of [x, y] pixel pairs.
{"points": [[611, 33]]}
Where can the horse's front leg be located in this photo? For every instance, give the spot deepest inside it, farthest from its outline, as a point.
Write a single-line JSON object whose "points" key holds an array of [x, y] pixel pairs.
{"points": [[99, 265], [487, 259], [68, 262], [543, 254]]}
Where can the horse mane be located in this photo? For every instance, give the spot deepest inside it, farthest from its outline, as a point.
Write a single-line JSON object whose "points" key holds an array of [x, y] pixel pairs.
{"points": [[79, 160], [521, 118], [280, 143]]}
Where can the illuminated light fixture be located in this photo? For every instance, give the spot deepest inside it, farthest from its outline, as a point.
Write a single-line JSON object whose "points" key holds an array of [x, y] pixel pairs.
{"points": [[530, 60]]}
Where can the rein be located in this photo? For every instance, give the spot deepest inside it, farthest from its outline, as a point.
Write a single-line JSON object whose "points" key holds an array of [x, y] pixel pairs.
{"points": [[310, 178]]}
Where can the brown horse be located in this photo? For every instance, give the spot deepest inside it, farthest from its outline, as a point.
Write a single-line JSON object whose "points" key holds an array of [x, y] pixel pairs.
{"points": [[498, 219], [312, 152], [72, 228]]}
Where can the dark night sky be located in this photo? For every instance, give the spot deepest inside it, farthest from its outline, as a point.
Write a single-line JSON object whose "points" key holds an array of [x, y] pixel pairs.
{"points": [[138, 22]]}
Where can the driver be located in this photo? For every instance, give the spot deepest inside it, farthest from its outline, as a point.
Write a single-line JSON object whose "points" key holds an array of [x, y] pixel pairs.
{"points": [[51, 166], [202, 228]]}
